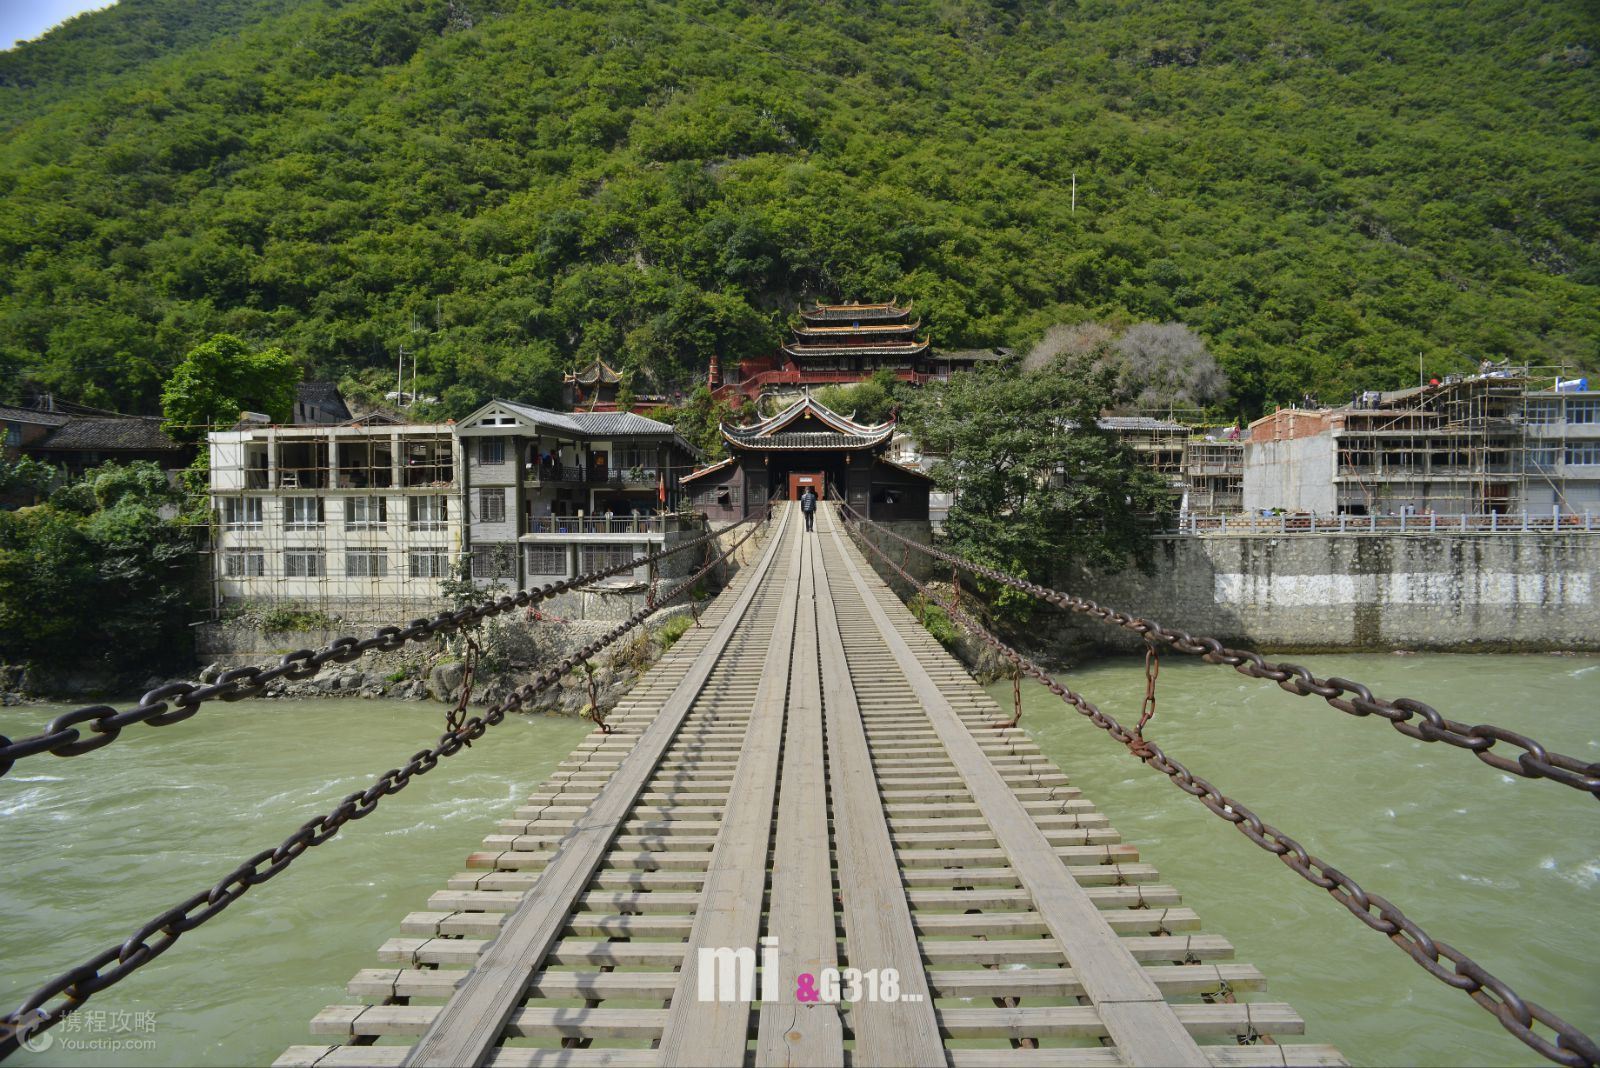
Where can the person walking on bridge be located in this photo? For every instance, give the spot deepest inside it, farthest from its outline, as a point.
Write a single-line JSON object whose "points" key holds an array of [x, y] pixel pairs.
{"points": [[808, 506]]}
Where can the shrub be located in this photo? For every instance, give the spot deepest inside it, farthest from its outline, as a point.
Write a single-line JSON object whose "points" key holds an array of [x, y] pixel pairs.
{"points": [[292, 617], [672, 630]]}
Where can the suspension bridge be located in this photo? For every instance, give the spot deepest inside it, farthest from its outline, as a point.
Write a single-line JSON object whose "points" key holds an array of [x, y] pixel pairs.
{"points": [[808, 837]]}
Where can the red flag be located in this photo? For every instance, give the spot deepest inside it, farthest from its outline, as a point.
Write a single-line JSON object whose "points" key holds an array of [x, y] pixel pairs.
{"points": [[661, 487]]}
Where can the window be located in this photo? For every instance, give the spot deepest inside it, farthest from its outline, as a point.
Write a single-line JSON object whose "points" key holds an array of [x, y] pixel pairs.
{"points": [[1543, 412], [303, 563], [1544, 457], [1581, 410], [365, 513], [493, 562], [428, 513], [492, 451], [430, 563], [241, 512], [13, 434], [1583, 453], [547, 560], [366, 563], [597, 557], [244, 563], [491, 506], [302, 512]]}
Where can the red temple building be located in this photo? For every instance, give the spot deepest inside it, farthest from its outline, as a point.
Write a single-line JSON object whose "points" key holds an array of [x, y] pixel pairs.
{"points": [[806, 445], [839, 344]]}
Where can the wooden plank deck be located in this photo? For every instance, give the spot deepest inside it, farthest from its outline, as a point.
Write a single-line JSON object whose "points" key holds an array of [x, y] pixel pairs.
{"points": [[809, 767]]}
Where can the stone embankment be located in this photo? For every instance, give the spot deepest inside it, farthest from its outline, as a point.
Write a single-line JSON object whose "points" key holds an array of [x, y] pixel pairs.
{"points": [[514, 651], [1353, 592]]}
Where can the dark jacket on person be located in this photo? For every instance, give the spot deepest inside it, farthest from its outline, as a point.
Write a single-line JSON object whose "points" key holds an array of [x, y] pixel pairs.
{"points": [[808, 501]]}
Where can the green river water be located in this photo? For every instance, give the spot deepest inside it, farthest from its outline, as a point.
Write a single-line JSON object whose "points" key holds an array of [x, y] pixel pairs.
{"points": [[1507, 870]]}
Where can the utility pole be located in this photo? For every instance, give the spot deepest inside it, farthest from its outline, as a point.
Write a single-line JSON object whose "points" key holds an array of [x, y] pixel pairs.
{"points": [[400, 377]]}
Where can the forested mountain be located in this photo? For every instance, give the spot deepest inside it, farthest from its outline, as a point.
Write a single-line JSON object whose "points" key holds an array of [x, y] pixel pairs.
{"points": [[1328, 190]]}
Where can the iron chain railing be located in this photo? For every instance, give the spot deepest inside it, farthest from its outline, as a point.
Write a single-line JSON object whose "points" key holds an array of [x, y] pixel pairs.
{"points": [[49, 1004], [1535, 761], [1444, 962], [177, 701]]}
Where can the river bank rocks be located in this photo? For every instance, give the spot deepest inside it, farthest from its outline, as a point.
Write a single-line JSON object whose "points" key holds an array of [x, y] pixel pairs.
{"points": [[515, 652]]}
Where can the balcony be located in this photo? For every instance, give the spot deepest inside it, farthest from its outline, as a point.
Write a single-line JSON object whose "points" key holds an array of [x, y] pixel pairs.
{"points": [[601, 524], [546, 474]]}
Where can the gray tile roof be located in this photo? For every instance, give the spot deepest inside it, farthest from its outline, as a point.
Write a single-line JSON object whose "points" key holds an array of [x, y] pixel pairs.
{"points": [[1138, 422], [601, 424], [91, 433], [12, 414], [323, 396], [809, 439]]}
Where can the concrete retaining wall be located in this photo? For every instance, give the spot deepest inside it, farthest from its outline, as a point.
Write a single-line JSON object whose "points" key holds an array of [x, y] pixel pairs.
{"points": [[1373, 592]]}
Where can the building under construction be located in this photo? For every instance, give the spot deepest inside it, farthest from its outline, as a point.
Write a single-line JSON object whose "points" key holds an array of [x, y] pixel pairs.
{"points": [[1482, 444], [1213, 476]]}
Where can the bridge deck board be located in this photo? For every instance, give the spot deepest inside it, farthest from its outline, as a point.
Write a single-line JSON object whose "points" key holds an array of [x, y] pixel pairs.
{"points": [[809, 729]]}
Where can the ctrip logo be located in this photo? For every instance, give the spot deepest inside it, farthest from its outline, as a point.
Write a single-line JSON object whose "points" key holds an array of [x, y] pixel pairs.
{"points": [[728, 974], [32, 1039]]}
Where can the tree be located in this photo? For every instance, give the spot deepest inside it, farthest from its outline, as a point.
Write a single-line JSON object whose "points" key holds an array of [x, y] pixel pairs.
{"points": [[1162, 364], [223, 377], [25, 477], [1037, 482], [96, 578], [871, 401], [699, 421], [1154, 365], [1067, 341]]}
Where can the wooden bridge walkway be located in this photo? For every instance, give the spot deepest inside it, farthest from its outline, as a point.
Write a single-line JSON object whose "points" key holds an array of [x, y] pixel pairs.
{"points": [[810, 768]]}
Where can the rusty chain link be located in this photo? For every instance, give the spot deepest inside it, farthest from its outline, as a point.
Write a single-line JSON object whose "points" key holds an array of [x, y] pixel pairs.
{"points": [[1572, 1047], [46, 1006], [457, 716], [1533, 762], [1152, 671], [177, 701]]}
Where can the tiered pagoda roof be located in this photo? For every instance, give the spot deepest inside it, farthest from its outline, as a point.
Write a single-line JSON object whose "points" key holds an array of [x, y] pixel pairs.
{"points": [[878, 330], [856, 313]]}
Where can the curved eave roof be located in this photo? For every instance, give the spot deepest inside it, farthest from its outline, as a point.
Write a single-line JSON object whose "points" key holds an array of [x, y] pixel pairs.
{"points": [[910, 348], [809, 440], [598, 371], [718, 466], [870, 328], [832, 313], [800, 408]]}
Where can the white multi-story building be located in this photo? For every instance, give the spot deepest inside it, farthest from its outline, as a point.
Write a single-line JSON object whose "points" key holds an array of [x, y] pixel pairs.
{"points": [[1563, 436], [353, 517], [372, 519]]}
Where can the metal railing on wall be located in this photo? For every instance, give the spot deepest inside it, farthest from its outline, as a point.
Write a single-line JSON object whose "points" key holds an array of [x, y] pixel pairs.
{"points": [[1513, 523]]}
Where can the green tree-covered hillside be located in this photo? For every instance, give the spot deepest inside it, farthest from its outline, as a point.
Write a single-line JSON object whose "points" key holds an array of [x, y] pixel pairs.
{"points": [[1326, 190]]}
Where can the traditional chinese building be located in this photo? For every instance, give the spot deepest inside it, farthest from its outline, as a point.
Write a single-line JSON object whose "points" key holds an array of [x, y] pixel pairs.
{"points": [[857, 339], [806, 445], [840, 344], [594, 388]]}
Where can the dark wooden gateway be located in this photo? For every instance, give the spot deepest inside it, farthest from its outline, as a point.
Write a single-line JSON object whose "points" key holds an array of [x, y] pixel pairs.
{"points": [[839, 456]]}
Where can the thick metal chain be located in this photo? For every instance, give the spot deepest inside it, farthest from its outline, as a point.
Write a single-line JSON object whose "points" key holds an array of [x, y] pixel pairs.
{"points": [[177, 701], [1534, 761], [46, 1006], [1444, 962]]}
